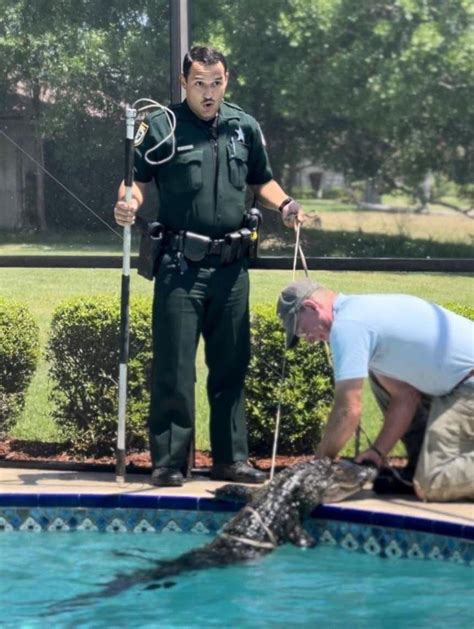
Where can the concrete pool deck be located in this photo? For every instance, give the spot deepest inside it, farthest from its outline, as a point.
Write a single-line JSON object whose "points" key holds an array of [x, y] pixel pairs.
{"points": [[16, 480]]}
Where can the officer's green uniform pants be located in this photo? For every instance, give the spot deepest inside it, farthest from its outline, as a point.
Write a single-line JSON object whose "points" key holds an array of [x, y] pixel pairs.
{"points": [[212, 302]]}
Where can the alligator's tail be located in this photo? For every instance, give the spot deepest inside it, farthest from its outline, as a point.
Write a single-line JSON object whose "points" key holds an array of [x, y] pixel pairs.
{"points": [[159, 576]]}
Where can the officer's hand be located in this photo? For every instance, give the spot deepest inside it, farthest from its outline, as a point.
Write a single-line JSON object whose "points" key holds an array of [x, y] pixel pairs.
{"points": [[125, 212], [292, 214]]}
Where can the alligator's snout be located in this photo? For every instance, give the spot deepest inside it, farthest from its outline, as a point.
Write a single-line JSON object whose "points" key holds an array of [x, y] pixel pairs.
{"points": [[347, 479]]}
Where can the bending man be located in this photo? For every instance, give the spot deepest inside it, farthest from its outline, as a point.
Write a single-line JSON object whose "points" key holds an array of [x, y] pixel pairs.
{"points": [[419, 358]]}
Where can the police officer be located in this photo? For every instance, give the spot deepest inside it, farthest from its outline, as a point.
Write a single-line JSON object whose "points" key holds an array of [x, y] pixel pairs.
{"points": [[202, 284]]}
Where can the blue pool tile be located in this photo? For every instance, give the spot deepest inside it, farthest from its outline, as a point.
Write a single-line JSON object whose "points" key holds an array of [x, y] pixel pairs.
{"points": [[453, 529], [134, 501], [424, 525], [221, 506], [342, 514], [109, 501], [392, 520], [59, 500], [19, 500], [178, 502]]}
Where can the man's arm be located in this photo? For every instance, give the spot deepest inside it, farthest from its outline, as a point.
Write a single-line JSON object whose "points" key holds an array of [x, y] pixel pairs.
{"points": [[272, 195], [343, 418], [125, 212], [398, 416]]}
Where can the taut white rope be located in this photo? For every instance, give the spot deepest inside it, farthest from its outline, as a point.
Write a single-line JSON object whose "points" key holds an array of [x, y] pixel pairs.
{"points": [[283, 365]]}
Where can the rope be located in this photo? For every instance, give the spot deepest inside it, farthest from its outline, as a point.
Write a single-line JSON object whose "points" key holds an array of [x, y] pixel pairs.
{"points": [[299, 250], [273, 543], [385, 460], [170, 118]]}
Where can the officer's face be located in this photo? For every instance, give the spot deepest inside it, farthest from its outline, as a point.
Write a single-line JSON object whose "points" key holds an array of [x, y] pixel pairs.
{"points": [[205, 89]]}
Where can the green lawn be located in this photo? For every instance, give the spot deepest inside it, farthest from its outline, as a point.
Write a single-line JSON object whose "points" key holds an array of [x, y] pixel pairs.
{"points": [[43, 289], [343, 231]]}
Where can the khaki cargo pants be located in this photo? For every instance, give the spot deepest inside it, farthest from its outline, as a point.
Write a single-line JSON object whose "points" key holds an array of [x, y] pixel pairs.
{"points": [[445, 469], [440, 442]]}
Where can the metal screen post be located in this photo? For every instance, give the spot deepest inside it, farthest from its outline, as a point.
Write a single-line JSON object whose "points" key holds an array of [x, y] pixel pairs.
{"points": [[179, 44]]}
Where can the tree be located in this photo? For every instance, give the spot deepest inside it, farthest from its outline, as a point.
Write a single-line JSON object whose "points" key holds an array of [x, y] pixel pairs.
{"points": [[78, 62], [380, 90]]}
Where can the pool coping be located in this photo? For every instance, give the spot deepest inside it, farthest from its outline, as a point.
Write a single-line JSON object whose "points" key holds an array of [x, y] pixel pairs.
{"points": [[27, 488], [88, 500]]}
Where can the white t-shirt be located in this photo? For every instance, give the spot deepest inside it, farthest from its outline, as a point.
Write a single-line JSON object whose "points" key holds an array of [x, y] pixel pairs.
{"points": [[402, 337]]}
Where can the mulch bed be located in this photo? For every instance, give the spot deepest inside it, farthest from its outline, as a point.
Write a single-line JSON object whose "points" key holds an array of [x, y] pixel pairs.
{"points": [[20, 451]]}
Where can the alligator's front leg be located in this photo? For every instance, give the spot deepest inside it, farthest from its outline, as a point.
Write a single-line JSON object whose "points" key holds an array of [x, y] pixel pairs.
{"points": [[235, 493], [300, 537]]}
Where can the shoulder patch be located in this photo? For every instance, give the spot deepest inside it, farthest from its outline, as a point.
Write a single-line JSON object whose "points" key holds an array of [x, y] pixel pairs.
{"points": [[140, 134]]}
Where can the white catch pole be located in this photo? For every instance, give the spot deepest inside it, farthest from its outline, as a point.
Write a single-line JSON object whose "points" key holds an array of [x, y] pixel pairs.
{"points": [[130, 116]]}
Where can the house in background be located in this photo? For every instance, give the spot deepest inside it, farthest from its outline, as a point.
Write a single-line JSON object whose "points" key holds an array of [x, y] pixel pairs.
{"points": [[315, 178], [21, 181]]}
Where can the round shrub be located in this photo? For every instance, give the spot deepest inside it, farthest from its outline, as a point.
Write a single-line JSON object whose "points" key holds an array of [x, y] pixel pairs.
{"points": [[306, 392], [83, 351], [19, 353]]}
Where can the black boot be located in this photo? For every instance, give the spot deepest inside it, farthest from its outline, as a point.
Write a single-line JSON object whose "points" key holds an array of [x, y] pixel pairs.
{"points": [[391, 481], [166, 477], [238, 472]]}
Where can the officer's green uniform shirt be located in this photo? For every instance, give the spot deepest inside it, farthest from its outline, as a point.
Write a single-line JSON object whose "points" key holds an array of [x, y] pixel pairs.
{"points": [[202, 188]]}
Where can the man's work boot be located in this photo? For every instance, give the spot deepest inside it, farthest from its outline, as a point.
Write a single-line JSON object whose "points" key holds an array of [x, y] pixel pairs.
{"points": [[238, 472], [391, 481], [167, 477]]}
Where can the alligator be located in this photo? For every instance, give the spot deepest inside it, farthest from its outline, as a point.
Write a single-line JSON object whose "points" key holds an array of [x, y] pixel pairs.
{"points": [[271, 516]]}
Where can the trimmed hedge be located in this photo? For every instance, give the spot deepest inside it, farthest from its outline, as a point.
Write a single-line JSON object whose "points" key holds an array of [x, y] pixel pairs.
{"points": [[306, 393], [19, 353], [83, 351]]}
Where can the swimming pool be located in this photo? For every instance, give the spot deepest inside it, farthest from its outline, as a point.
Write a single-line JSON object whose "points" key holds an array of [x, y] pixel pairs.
{"points": [[367, 568]]}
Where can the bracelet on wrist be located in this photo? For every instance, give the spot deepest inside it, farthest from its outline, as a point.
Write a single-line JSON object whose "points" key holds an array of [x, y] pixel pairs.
{"points": [[285, 202]]}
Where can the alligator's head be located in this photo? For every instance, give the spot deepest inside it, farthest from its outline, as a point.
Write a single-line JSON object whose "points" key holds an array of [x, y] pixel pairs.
{"points": [[329, 481]]}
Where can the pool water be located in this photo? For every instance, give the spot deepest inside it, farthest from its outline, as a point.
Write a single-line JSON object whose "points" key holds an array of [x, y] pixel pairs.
{"points": [[324, 586]]}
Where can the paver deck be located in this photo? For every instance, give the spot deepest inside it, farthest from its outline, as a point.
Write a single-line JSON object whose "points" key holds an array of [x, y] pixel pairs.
{"points": [[36, 481]]}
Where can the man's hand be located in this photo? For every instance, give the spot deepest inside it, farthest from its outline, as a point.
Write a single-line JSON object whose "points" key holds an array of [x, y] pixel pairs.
{"points": [[369, 455], [292, 214], [125, 212]]}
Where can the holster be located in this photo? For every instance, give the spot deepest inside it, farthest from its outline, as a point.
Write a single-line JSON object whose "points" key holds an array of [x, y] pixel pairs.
{"points": [[151, 249], [196, 247], [252, 222], [231, 249]]}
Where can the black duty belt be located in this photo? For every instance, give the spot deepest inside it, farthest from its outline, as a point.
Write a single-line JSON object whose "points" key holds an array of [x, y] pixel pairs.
{"points": [[196, 247]]}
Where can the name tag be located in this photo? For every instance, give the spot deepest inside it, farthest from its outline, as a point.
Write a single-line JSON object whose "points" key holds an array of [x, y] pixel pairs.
{"points": [[188, 147]]}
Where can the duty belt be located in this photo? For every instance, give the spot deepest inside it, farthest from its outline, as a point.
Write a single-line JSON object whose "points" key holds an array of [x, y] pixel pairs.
{"points": [[195, 247]]}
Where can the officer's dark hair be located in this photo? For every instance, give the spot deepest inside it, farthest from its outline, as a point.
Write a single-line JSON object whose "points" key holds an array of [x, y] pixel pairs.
{"points": [[202, 54]]}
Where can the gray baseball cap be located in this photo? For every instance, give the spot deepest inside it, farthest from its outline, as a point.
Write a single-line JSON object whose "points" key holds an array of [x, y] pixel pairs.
{"points": [[289, 302]]}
